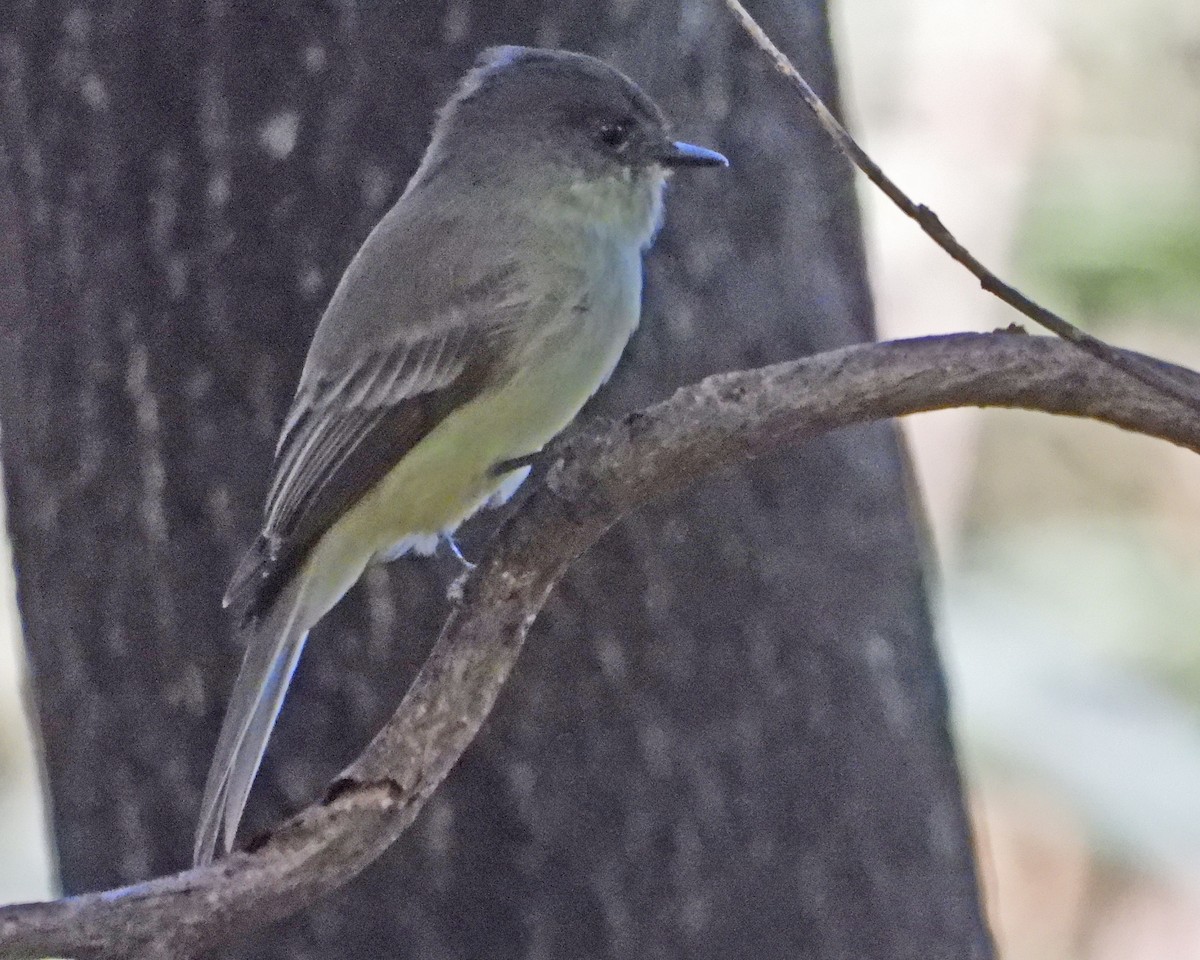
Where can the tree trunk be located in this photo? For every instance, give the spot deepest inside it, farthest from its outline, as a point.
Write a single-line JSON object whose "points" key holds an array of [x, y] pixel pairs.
{"points": [[728, 735]]}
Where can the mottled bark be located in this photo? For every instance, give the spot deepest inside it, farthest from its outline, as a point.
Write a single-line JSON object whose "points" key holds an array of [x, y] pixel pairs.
{"points": [[699, 754]]}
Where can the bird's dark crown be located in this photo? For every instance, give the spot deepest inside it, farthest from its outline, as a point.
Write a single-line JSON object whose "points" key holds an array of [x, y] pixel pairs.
{"points": [[556, 104]]}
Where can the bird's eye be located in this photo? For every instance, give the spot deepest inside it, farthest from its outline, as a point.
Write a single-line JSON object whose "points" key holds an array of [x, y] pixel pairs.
{"points": [[615, 134]]}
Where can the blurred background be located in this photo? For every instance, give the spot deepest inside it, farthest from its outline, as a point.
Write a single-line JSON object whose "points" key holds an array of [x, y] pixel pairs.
{"points": [[1061, 142]]}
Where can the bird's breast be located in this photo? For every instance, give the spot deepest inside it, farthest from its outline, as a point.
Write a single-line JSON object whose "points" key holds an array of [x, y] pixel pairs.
{"points": [[561, 351]]}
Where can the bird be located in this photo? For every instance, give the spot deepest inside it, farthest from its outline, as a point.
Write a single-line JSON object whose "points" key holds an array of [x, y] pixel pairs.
{"points": [[480, 314]]}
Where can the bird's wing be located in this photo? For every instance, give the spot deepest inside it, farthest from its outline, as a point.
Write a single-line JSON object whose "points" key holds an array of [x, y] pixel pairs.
{"points": [[349, 425], [352, 422]]}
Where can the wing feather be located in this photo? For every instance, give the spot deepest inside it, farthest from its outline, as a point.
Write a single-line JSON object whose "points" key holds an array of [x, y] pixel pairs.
{"points": [[424, 319], [345, 433]]}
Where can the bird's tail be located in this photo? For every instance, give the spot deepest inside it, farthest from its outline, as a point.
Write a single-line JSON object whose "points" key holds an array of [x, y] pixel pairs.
{"points": [[274, 641]]}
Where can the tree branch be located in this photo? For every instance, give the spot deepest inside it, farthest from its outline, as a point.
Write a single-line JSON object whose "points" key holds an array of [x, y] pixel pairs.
{"points": [[600, 475], [931, 224]]}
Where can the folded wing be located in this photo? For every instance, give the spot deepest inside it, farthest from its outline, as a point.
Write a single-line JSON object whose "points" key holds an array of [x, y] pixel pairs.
{"points": [[351, 423]]}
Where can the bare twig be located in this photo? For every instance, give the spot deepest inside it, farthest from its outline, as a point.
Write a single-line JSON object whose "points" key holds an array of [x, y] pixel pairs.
{"points": [[932, 225], [601, 475]]}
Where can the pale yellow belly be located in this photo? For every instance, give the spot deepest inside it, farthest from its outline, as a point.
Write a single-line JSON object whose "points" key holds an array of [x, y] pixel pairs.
{"points": [[448, 475]]}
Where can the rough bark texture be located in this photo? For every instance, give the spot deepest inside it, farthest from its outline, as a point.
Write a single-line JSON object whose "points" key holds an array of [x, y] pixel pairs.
{"points": [[727, 736]]}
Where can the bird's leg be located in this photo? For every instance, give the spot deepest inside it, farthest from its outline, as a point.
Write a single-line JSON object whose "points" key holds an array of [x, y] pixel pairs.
{"points": [[516, 463], [448, 539], [457, 588]]}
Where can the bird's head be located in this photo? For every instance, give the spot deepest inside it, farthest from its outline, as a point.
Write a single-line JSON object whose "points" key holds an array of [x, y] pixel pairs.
{"points": [[550, 122]]}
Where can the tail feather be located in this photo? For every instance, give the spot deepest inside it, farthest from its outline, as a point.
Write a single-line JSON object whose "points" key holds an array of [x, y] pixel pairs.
{"points": [[274, 642]]}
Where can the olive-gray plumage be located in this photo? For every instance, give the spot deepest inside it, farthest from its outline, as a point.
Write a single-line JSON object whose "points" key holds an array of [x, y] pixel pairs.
{"points": [[477, 318]]}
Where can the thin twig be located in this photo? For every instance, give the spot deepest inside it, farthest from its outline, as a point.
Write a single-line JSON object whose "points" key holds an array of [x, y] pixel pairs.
{"points": [[601, 475], [936, 230]]}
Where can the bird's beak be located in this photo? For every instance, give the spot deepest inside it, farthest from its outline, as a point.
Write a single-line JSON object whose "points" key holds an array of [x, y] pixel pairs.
{"points": [[679, 154]]}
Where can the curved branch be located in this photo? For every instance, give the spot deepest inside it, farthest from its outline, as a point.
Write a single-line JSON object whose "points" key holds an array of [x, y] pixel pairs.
{"points": [[599, 476], [1149, 374]]}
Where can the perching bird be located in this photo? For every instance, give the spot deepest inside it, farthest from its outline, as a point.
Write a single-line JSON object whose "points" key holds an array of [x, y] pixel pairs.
{"points": [[478, 317]]}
